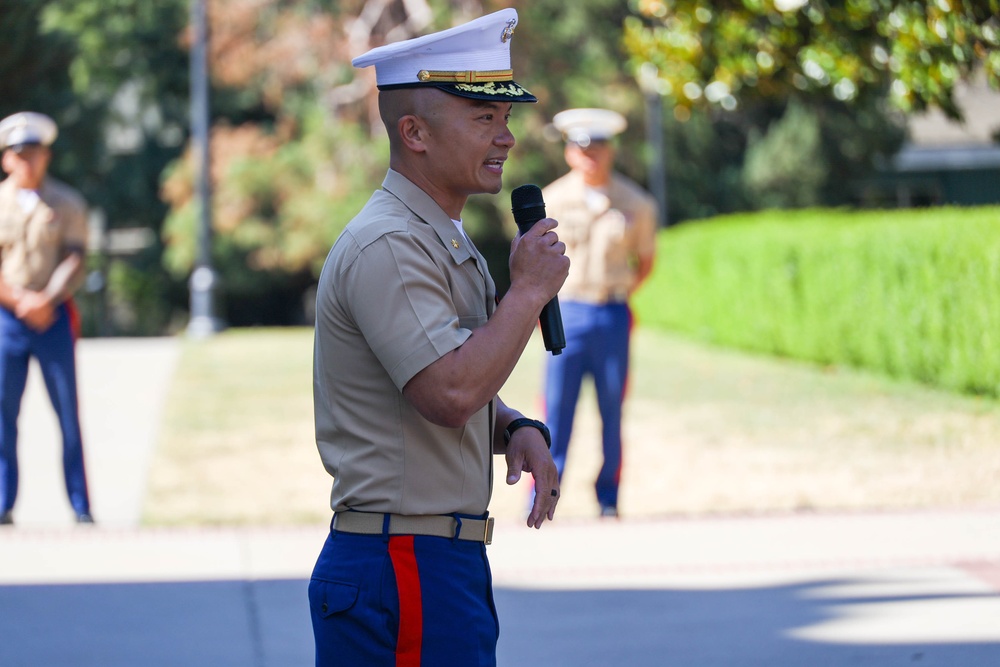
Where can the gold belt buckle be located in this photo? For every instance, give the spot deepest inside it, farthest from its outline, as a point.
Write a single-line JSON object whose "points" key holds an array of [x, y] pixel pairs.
{"points": [[488, 537]]}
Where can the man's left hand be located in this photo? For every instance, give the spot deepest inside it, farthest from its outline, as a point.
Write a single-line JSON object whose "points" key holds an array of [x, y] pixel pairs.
{"points": [[527, 452]]}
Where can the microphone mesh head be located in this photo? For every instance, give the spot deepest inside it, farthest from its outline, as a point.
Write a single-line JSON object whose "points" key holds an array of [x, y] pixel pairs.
{"points": [[526, 196]]}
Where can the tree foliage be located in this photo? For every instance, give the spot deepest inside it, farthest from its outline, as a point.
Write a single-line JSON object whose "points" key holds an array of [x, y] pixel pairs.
{"points": [[34, 75], [855, 66], [293, 157], [721, 51], [297, 144], [571, 55], [128, 82], [776, 177], [113, 75]]}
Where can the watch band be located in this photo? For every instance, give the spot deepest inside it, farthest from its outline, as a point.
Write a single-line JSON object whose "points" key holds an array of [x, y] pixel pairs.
{"points": [[524, 421]]}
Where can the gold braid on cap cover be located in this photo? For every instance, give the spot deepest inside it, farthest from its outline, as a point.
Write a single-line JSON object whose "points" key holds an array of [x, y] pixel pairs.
{"points": [[510, 90], [426, 76]]}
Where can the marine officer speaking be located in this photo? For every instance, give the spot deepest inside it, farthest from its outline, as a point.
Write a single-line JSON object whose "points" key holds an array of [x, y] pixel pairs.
{"points": [[608, 223], [411, 349], [43, 237]]}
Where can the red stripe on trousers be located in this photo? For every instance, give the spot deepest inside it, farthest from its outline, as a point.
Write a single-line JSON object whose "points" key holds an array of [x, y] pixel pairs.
{"points": [[411, 620]]}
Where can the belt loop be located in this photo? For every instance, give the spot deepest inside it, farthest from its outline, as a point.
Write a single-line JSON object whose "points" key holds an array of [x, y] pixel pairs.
{"points": [[332, 519], [385, 526], [458, 526]]}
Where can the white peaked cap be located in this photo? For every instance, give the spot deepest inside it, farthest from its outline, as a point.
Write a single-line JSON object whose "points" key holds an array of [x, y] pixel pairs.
{"points": [[581, 126], [471, 60], [27, 127]]}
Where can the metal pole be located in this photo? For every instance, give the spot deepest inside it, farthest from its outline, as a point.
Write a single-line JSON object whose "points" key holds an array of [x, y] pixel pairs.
{"points": [[657, 167], [204, 281], [96, 282]]}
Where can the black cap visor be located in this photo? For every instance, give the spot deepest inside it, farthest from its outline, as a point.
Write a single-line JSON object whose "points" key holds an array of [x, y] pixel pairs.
{"points": [[493, 91], [23, 146]]}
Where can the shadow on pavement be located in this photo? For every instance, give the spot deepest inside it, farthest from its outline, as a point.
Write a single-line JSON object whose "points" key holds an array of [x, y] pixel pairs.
{"points": [[265, 623], [704, 628], [175, 624]]}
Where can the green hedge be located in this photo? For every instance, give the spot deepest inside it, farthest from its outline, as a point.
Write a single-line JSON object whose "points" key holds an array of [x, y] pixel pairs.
{"points": [[911, 293]]}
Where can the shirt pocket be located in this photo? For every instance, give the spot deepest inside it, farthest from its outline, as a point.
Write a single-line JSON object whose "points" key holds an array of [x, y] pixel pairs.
{"points": [[45, 229], [574, 226], [9, 233], [612, 226]]}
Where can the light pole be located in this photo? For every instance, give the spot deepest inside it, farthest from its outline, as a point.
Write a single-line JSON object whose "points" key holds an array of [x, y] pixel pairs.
{"points": [[649, 83], [204, 280]]}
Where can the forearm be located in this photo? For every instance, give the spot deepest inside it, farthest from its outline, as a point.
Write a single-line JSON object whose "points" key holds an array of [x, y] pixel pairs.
{"points": [[528, 451], [64, 279], [505, 415], [456, 386], [644, 267]]}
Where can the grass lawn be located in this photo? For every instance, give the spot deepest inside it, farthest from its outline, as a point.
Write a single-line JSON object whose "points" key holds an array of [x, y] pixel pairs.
{"points": [[706, 431]]}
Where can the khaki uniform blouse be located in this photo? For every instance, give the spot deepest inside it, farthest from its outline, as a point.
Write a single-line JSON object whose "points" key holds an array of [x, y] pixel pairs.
{"points": [[401, 287], [604, 235], [33, 243]]}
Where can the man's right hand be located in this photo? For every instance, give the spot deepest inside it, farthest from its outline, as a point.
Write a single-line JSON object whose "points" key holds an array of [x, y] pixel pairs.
{"points": [[36, 310], [538, 261]]}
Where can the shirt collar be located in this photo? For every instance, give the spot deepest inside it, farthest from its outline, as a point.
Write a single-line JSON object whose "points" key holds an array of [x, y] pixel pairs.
{"points": [[428, 210]]}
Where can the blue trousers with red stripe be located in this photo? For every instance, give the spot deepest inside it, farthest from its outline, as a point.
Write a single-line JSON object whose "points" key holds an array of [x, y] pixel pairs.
{"points": [[597, 344], [402, 601], [55, 352]]}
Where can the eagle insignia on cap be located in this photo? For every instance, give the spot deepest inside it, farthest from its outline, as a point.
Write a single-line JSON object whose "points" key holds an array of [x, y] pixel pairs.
{"points": [[508, 32]]}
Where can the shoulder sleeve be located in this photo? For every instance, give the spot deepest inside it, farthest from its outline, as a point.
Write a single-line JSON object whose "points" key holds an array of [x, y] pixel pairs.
{"points": [[76, 231], [554, 193], [73, 209], [400, 299], [646, 214], [647, 230]]}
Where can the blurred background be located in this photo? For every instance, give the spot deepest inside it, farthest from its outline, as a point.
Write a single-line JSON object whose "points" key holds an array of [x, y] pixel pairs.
{"points": [[732, 107]]}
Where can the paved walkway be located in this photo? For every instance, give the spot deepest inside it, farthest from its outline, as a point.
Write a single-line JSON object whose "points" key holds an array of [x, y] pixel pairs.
{"points": [[898, 588], [122, 388]]}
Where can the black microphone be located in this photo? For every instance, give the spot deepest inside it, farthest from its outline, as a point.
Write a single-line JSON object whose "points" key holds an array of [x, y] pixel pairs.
{"points": [[528, 207]]}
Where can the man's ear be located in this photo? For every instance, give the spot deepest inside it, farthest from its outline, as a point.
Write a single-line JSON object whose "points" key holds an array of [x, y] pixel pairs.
{"points": [[413, 133]]}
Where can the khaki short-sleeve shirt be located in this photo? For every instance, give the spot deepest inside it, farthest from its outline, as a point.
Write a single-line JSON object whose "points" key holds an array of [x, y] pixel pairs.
{"points": [[34, 242], [401, 287], [605, 234]]}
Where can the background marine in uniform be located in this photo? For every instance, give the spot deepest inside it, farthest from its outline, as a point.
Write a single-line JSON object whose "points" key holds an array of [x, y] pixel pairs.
{"points": [[43, 240], [608, 223]]}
